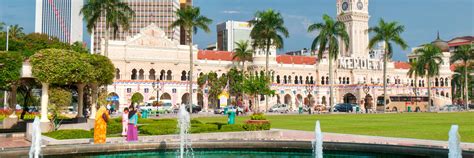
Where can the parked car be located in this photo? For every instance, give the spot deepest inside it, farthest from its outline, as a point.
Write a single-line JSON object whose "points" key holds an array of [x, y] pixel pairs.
{"points": [[345, 107], [165, 108], [450, 108], [282, 108], [148, 107], [238, 109], [471, 106], [195, 109]]}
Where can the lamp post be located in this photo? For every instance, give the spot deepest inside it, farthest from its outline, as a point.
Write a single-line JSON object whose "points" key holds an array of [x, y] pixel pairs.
{"points": [[366, 90], [157, 86]]}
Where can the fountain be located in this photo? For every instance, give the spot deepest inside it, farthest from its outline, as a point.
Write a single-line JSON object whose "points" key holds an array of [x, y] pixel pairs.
{"points": [[35, 148], [318, 141], [454, 143], [183, 125]]}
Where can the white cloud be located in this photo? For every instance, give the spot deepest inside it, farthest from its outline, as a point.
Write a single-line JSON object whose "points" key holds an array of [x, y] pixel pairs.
{"points": [[231, 12]]}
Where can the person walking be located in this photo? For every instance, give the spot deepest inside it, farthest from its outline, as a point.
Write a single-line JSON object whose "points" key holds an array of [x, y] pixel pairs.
{"points": [[125, 122], [132, 133], [100, 127]]}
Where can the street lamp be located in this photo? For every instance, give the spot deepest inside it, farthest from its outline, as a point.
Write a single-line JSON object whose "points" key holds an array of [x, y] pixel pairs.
{"points": [[366, 89]]}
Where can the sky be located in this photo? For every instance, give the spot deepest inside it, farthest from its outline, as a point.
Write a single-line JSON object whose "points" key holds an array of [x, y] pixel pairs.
{"points": [[421, 18]]}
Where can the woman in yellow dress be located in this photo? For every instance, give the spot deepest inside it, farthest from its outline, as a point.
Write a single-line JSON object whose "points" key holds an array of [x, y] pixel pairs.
{"points": [[100, 127]]}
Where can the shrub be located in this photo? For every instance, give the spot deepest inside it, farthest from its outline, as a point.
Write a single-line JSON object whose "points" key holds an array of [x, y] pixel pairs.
{"points": [[218, 124], [256, 127], [145, 121], [114, 128], [257, 116], [194, 121], [203, 128], [157, 129], [70, 134], [232, 128]]}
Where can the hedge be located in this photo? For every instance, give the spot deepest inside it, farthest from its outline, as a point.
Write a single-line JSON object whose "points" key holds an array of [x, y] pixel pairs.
{"points": [[70, 134], [203, 128], [257, 127]]}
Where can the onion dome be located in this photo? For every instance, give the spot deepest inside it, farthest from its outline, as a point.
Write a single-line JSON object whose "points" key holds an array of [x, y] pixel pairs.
{"points": [[443, 45]]}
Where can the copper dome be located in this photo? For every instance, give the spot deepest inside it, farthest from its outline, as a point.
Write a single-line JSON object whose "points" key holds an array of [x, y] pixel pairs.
{"points": [[443, 45]]}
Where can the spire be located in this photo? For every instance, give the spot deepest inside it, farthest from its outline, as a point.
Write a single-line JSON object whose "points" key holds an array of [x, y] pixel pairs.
{"points": [[438, 35]]}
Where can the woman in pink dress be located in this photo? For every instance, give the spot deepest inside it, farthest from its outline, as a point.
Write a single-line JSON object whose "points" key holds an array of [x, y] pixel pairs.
{"points": [[132, 132], [124, 122]]}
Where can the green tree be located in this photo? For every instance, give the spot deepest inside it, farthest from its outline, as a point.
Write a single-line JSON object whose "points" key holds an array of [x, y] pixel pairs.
{"points": [[137, 98], [388, 33], [414, 73], [243, 53], [79, 47], [2, 26], [329, 32], [191, 20], [59, 99], [429, 62], [268, 31], [117, 16], [39, 41], [16, 31], [10, 67], [255, 85], [464, 54]]}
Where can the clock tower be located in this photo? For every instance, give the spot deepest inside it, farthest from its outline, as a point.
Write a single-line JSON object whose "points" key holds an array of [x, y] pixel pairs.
{"points": [[355, 15]]}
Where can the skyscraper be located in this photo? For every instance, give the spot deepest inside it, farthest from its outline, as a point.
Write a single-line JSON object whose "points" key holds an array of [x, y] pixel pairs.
{"points": [[230, 32], [60, 18], [158, 12]]}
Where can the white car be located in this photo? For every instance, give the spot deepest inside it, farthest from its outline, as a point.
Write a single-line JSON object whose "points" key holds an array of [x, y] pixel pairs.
{"points": [[148, 107], [282, 108]]}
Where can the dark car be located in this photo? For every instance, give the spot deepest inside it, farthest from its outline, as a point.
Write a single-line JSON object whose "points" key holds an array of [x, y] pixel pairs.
{"points": [[195, 109], [344, 107]]}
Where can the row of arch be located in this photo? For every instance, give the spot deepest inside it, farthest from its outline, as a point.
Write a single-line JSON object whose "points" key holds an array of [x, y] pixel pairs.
{"points": [[164, 75]]}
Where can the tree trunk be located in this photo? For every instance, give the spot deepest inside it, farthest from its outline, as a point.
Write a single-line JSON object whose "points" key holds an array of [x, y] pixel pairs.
{"points": [[80, 102], [385, 79], [106, 49], [466, 88], [94, 101], [191, 65], [331, 81], [267, 73], [416, 90], [429, 94], [13, 100]]}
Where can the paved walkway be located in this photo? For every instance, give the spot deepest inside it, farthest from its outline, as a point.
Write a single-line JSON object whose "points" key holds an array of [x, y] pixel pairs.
{"points": [[13, 143], [350, 138]]}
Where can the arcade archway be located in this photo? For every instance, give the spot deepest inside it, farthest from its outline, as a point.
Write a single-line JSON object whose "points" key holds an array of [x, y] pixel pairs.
{"points": [[288, 99], [185, 99], [350, 98]]}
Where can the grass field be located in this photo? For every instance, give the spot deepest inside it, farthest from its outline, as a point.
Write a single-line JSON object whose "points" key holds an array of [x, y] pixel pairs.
{"points": [[433, 126]]}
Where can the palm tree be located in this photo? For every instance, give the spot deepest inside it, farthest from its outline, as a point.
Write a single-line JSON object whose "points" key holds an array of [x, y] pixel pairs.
{"points": [[413, 72], [190, 19], [464, 54], [117, 14], [387, 33], [330, 31], [242, 53], [16, 31], [268, 29], [429, 62], [2, 25]]}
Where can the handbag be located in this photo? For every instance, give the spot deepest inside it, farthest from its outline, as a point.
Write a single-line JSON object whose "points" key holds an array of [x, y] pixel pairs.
{"points": [[104, 116]]}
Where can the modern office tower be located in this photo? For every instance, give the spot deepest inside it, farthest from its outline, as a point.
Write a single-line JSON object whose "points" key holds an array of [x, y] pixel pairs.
{"points": [[158, 12], [60, 18], [230, 32]]}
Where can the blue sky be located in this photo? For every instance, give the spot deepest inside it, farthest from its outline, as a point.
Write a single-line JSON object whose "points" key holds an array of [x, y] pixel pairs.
{"points": [[422, 18]]}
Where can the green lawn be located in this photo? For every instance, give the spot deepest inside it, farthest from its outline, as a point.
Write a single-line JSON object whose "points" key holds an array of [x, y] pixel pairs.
{"points": [[434, 126]]}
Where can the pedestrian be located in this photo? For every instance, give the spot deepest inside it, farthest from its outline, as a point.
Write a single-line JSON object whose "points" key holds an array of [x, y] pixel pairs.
{"points": [[132, 133], [108, 107], [100, 127], [124, 122]]}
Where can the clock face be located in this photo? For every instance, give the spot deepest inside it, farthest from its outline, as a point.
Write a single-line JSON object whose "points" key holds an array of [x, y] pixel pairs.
{"points": [[345, 5], [360, 5]]}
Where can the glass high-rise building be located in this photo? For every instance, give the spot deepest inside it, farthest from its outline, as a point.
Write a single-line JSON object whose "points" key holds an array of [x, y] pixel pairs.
{"points": [[60, 18], [158, 12]]}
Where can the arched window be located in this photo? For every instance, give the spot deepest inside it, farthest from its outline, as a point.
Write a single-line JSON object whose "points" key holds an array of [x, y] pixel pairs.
{"points": [[446, 83], [322, 80], [348, 81], [117, 74], [134, 74], [168, 75], [340, 80], [412, 83], [442, 93], [447, 95], [289, 79], [311, 81], [152, 75], [183, 76], [162, 75], [278, 79], [285, 81], [307, 80], [141, 74], [436, 82], [441, 81], [188, 77], [301, 79], [388, 80], [296, 79], [327, 80]]}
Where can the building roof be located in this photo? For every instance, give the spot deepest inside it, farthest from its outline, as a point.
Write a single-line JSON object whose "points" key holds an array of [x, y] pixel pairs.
{"points": [[292, 59], [215, 55], [461, 41], [402, 65]]}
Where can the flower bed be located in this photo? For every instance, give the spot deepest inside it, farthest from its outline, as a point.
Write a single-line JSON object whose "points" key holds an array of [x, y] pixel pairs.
{"points": [[257, 122]]}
